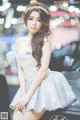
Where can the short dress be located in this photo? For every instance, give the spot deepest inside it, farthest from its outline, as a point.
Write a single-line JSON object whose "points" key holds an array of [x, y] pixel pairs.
{"points": [[53, 93]]}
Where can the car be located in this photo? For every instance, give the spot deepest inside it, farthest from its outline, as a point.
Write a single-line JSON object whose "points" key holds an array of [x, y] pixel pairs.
{"points": [[73, 110], [66, 58]]}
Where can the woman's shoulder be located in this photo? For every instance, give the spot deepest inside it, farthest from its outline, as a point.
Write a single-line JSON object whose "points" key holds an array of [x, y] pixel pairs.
{"points": [[20, 40], [47, 44], [47, 40]]}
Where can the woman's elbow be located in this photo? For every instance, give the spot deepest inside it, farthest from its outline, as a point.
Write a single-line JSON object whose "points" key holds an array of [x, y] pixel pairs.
{"points": [[44, 70]]}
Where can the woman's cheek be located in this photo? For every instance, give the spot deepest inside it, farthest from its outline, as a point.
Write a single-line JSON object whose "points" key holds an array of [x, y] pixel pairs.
{"points": [[28, 23]]}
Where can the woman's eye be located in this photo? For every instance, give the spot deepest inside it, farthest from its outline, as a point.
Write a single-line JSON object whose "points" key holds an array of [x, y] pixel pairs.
{"points": [[30, 19], [39, 20]]}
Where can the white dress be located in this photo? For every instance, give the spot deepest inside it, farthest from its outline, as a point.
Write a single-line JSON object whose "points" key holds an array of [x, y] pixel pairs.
{"points": [[53, 93]]}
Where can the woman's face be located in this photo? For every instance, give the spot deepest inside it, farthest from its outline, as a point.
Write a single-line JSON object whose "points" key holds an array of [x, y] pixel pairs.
{"points": [[34, 23]]}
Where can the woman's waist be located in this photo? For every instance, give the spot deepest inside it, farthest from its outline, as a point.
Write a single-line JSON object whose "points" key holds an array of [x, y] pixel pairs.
{"points": [[31, 73]]}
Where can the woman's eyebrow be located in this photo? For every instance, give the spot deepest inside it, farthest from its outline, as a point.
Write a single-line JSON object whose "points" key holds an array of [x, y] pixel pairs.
{"points": [[33, 17]]}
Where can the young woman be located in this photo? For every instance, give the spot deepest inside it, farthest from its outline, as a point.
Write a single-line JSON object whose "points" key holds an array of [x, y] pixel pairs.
{"points": [[40, 89]]}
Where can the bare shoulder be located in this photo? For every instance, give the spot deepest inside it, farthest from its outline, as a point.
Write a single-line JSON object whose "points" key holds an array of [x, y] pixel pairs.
{"points": [[47, 41], [47, 45], [20, 40]]}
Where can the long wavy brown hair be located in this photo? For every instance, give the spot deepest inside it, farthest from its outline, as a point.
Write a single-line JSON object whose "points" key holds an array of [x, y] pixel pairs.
{"points": [[38, 38]]}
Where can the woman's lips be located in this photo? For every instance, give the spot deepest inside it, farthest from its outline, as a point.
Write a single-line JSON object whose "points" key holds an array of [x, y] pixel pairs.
{"points": [[33, 28]]}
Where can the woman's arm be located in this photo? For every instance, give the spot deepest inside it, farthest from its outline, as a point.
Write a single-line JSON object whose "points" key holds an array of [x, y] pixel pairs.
{"points": [[20, 70], [46, 53]]}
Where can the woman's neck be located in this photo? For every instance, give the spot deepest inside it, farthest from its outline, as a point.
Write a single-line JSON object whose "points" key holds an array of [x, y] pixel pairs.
{"points": [[30, 36]]}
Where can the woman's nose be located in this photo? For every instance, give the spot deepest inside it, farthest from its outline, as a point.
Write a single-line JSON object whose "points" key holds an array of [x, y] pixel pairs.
{"points": [[34, 22]]}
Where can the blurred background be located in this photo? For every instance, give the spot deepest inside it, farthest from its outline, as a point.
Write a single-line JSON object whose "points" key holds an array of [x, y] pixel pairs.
{"points": [[65, 37]]}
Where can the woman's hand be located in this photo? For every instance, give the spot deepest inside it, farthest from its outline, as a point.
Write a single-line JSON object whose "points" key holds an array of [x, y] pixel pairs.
{"points": [[21, 103]]}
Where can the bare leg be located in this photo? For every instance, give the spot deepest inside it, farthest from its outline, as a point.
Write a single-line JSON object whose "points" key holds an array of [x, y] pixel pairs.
{"points": [[31, 115], [18, 115]]}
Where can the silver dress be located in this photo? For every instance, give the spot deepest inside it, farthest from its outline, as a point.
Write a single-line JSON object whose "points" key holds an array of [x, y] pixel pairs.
{"points": [[53, 93]]}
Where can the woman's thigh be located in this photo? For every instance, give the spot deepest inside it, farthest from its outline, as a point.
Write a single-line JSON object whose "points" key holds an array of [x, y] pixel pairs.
{"points": [[18, 115], [31, 115]]}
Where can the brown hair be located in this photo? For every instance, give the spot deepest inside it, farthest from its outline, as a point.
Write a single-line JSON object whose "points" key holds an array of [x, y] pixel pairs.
{"points": [[38, 38]]}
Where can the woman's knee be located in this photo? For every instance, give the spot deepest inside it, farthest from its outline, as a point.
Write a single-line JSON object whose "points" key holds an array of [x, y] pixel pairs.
{"points": [[31, 115]]}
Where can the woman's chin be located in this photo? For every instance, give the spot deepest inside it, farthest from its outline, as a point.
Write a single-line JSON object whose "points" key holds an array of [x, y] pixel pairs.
{"points": [[33, 32]]}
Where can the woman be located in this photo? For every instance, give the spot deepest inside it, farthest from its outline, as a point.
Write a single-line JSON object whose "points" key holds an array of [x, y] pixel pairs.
{"points": [[40, 89]]}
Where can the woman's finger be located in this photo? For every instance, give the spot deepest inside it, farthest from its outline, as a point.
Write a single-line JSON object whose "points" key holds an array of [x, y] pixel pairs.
{"points": [[16, 109], [20, 106]]}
